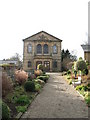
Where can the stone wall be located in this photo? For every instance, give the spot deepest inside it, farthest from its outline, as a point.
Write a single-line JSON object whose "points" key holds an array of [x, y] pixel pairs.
{"points": [[33, 57], [87, 56]]}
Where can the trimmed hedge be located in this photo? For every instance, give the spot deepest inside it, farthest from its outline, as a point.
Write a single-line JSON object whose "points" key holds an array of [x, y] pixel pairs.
{"points": [[29, 86]]}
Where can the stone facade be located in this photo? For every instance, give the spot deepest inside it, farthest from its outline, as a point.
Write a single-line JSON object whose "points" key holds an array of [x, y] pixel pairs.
{"points": [[87, 56], [86, 49], [42, 48]]}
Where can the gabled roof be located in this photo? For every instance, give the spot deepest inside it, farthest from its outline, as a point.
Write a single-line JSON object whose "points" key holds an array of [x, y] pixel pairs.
{"points": [[42, 35]]}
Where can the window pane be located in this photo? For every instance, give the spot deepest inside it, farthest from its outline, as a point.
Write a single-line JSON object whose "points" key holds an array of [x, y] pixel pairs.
{"points": [[29, 64], [55, 64], [29, 48], [39, 49], [45, 49], [54, 49]]}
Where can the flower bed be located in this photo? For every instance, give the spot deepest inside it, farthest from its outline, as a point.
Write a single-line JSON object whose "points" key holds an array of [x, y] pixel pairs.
{"points": [[81, 83], [24, 89]]}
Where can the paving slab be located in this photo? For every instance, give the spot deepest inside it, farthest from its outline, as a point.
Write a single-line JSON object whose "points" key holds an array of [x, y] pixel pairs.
{"points": [[57, 100]]}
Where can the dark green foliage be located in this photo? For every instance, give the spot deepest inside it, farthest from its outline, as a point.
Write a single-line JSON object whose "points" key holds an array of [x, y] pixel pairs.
{"points": [[85, 88], [29, 86], [44, 78], [21, 108], [82, 87], [79, 87], [81, 65], [68, 72], [85, 71], [44, 73], [5, 111], [23, 100]]}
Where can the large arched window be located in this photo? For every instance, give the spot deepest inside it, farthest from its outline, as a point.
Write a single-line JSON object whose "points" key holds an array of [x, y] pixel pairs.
{"points": [[39, 49], [29, 48], [55, 49], [45, 49]]}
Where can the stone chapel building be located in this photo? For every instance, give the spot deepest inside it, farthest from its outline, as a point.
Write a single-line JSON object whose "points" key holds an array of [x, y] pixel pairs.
{"points": [[42, 48]]}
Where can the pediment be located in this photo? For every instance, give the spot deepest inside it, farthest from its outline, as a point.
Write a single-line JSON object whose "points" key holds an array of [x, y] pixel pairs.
{"points": [[42, 36]]}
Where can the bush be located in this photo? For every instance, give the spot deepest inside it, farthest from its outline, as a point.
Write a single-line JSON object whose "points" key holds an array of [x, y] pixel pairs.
{"points": [[79, 87], [23, 100], [37, 72], [81, 65], [44, 78], [41, 82], [85, 72], [21, 108], [7, 84], [87, 98], [85, 88], [5, 111], [37, 87], [68, 72], [29, 86], [82, 87], [21, 76]]}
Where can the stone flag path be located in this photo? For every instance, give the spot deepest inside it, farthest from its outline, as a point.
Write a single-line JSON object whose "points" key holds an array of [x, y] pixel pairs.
{"points": [[57, 100]]}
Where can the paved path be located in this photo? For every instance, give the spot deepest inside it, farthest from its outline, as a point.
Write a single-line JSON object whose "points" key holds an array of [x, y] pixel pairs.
{"points": [[57, 100]]}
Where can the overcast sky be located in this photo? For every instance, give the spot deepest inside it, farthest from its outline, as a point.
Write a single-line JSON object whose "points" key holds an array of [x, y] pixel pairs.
{"points": [[65, 19]]}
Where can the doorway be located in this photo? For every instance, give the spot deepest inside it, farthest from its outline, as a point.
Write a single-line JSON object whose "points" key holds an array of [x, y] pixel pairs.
{"points": [[47, 66]]}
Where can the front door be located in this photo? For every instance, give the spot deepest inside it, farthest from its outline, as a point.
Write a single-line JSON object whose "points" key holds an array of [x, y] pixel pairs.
{"points": [[47, 65]]}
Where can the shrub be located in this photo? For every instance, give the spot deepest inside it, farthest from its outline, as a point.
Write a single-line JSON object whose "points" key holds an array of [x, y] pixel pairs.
{"points": [[82, 87], [44, 78], [7, 84], [37, 72], [44, 73], [21, 76], [79, 87], [41, 82], [68, 72], [87, 98], [85, 88], [85, 71], [23, 100], [18, 91], [5, 111], [29, 86], [37, 87], [81, 65], [21, 108]]}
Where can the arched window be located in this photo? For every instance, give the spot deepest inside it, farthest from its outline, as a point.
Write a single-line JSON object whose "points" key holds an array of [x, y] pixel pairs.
{"points": [[29, 64], [45, 49], [29, 48], [55, 49], [39, 49]]}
